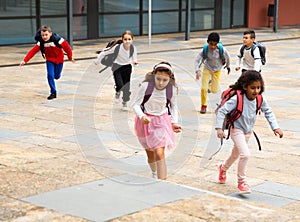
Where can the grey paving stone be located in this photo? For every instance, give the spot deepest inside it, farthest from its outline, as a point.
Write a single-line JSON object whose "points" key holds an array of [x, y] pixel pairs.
{"points": [[59, 103], [279, 189], [5, 114], [264, 198], [110, 198], [12, 134], [271, 193], [5, 101]]}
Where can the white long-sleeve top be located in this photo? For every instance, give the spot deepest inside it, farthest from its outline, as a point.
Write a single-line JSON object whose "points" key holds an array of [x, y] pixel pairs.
{"points": [[123, 55], [156, 105], [213, 60], [247, 119], [249, 62]]}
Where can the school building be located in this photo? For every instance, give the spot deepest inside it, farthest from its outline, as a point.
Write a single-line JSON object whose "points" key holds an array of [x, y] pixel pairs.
{"points": [[92, 19]]}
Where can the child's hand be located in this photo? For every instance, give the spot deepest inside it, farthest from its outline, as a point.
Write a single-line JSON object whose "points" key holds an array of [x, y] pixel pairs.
{"points": [[176, 128], [22, 63], [237, 68], [278, 132], [146, 119], [220, 133], [73, 60], [198, 74]]}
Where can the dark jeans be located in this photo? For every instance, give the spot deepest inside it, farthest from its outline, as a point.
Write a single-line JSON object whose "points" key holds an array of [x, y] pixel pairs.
{"points": [[122, 81], [53, 72]]}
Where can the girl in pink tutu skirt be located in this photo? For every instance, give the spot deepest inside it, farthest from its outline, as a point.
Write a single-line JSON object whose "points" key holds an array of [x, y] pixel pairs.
{"points": [[157, 116]]}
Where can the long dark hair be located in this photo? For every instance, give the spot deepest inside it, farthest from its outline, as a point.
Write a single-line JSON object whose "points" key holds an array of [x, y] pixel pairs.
{"points": [[247, 78]]}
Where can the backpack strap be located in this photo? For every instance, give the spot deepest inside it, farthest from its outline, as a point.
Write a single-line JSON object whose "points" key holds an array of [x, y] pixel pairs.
{"points": [[242, 51], [259, 100], [238, 110], [116, 52], [131, 51], [148, 93], [169, 92], [205, 49], [221, 52], [236, 113], [56, 38], [253, 47]]}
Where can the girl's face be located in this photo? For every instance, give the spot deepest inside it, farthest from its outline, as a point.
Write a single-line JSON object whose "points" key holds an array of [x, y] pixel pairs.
{"points": [[46, 35], [252, 90], [127, 39], [161, 80], [247, 40]]}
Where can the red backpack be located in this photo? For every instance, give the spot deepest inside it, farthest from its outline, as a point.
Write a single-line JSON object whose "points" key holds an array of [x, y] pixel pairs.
{"points": [[233, 116]]}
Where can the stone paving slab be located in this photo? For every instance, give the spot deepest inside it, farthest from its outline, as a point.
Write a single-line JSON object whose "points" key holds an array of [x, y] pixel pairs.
{"points": [[110, 198], [270, 193]]}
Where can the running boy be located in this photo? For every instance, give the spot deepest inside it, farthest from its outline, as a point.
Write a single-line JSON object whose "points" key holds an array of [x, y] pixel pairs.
{"points": [[249, 62], [251, 84], [53, 54], [213, 58]]}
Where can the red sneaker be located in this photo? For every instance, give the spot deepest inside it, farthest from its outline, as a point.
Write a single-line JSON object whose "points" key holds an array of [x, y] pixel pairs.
{"points": [[203, 109], [244, 188], [222, 174]]}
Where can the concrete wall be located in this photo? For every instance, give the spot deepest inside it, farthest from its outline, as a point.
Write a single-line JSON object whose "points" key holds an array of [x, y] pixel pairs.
{"points": [[288, 12]]}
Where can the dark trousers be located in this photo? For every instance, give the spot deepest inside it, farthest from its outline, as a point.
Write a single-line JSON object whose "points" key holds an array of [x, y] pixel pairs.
{"points": [[53, 72], [122, 81]]}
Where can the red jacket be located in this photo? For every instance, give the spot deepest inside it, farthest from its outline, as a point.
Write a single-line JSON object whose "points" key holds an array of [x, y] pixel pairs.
{"points": [[52, 52]]}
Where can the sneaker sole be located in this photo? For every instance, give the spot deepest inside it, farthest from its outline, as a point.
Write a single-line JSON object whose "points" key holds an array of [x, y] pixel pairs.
{"points": [[244, 192]]}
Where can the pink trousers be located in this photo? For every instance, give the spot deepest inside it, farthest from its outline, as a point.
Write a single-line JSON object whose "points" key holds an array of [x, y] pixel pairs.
{"points": [[240, 151]]}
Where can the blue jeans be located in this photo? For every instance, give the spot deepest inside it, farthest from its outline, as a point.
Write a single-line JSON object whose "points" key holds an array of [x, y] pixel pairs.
{"points": [[53, 72]]}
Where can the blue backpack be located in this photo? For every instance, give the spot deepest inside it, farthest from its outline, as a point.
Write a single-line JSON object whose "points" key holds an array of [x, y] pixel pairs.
{"points": [[221, 51]]}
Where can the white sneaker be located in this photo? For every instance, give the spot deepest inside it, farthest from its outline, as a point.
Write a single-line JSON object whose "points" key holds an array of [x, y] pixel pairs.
{"points": [[125, 107], [117, 98]]}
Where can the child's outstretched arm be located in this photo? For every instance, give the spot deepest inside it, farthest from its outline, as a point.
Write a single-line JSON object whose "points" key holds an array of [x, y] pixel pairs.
{"points": [[278, 132]]}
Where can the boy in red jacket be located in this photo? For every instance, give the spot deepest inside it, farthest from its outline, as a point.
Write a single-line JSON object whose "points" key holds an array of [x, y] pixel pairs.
{"points": [[54, 55]]}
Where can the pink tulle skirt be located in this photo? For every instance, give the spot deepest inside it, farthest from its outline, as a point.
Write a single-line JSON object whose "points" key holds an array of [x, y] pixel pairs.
{"points": [[158, 133]]}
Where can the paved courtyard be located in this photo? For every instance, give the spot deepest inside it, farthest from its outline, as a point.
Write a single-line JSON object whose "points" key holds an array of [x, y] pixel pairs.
{"points": [[76, 158]]}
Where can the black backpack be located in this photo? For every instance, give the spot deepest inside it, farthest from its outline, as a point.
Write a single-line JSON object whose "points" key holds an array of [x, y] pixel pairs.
{"points": [[108, 60], [54, 38], [262, 51]]}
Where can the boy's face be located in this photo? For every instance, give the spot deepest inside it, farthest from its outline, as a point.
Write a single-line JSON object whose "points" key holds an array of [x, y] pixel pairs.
{"points": [[212, 45], [247, 40], [46, 35]]}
